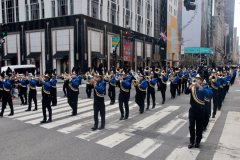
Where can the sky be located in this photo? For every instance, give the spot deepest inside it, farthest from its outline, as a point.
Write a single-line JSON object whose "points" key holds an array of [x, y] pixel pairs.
{"points": [[236, 17]]}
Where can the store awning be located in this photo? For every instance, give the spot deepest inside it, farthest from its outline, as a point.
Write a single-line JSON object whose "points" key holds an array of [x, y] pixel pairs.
{"points": [[118, 57], [33, 55], [99, 55], [150, 59], [60, 55], [9, 56], [141, 59]]}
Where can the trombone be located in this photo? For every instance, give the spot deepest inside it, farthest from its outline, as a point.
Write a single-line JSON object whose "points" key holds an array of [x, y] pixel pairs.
{"points": [[118, 70], [194, 81], [147, 69], [157, 70], [107, 77], [135, 82], [147, 78]]}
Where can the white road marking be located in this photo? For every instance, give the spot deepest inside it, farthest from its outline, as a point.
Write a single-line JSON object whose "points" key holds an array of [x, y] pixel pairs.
{"points": [[229, 140], [114, 139], [173, 126], [144, 148], [183, 154]]}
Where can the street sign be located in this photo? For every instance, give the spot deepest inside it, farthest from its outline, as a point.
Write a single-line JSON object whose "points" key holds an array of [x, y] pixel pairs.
{"points": [[115, 41]]}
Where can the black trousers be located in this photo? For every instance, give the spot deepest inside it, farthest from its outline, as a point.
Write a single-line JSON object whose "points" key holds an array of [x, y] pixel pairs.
{"points": [[73, 101], [196, 117], [184, 85], [179, 84], [123, 99], [7, 98], [227, 89], [163, 91], [159, 84], [207, 113], [46, 104], [224, 91], [220, 97], [99, 106], [215, 101], [173, 90], [139, 99], [88, 90], [23, 92], [150, 91], [65, 89], [1, 92], [53, 96], [32, 96], [111, 93]]}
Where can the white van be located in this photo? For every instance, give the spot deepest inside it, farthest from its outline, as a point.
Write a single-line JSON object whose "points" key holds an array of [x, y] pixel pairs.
{"points": [[20, 69]]}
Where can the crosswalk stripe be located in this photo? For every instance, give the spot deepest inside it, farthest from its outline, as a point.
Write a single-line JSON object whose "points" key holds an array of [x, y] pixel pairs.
{"points": [[183, 154], [54, 111], [80, 125], [143, 124], [114, 139], [87, 106], [144, 148], [39, 110], [173, 126], [211, 123], [71, 119], [229, 140]]}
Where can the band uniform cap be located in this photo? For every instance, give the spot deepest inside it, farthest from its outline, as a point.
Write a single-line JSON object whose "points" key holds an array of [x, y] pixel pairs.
{"points": [[151, 73], [204, 82], [138, 71], [213, 71], [112, 72], [123, 73], [74, 72], [46, 75], [198, 76], [141, 75]]}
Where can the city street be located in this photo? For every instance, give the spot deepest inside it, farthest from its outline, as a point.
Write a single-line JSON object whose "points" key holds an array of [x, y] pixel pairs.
{"points": [[160, 133]]}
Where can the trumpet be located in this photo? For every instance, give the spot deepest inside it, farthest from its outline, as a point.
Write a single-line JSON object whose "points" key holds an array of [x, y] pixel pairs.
{"points": [[213, 78], [135, 82], [220, 75], [147, 78], [157, 70], [147, 69], [118, 70], [106, 77], [93, 81], [194, 80], [92, 74]]}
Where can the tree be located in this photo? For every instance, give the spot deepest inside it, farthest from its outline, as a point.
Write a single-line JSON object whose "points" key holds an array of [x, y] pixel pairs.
{"points": [[189, 61]]}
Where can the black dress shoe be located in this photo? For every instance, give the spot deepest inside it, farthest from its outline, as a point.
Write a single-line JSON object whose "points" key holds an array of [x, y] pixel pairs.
{"points": [[197, 145], [147, 108], [27, 110], [94, 128], [121, 118], [125, 117], [141, 112], [162, 102], [24, 103], [204, 129], [213, 116], [11, 114], [1, 115], [153, 107], [35, 109], [190, 145], [100, 128], [74, 114], [49, 120], [43, 121]]}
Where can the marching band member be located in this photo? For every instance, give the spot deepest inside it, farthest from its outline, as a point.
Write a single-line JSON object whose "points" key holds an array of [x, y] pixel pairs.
{"points": [[214, 84], [123, 98], [73, 92], [111, 89], [98, 104], [53, 90], [179, 83], [196, 111], [88, 86], [220, 91], [23, 90], [141, 93], [32, 93], [1, 91], [46, 98], [65, 85], [229, 77], [184, 80], [163, 84], [130, 78], [151, 90], [174, 83], [6, 95], [159, 80]]}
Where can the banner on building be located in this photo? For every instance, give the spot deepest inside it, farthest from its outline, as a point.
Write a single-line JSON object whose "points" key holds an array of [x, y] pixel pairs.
{"points": [[127, 50]]}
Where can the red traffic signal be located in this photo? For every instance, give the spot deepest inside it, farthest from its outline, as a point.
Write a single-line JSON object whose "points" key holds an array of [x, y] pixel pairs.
{"points": [[126, 33]]}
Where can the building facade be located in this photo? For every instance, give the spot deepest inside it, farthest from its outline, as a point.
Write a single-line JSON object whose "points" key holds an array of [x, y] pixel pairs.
{"points": [[62, 34]]}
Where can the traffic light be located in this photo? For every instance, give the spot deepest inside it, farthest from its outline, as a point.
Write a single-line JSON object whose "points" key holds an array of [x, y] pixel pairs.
{"points": [[3, 30], [189, 5], [114, 54], [129, 34]]}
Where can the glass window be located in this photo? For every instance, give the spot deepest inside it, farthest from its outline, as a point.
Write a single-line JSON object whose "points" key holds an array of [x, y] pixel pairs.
{"points": [[33, 1], [17, 11], [26, 1], [94, 9], [53, 8], [62, 7], [101, 12], [42, 5], [3, 12], [113, 17], [10, 10], [88, 7], [127, 4], [72, 7], [27, 13], [34, 11]]}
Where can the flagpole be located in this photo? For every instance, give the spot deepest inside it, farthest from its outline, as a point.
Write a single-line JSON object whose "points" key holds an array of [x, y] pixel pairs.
{"points": [[161, 36]]}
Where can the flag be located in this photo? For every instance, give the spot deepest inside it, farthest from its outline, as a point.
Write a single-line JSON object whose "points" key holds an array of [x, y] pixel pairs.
{"points": [[163, 36]]}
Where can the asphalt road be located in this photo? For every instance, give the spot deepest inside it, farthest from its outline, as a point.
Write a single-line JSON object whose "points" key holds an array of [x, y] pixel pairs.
{"points": [[160, 133]]}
